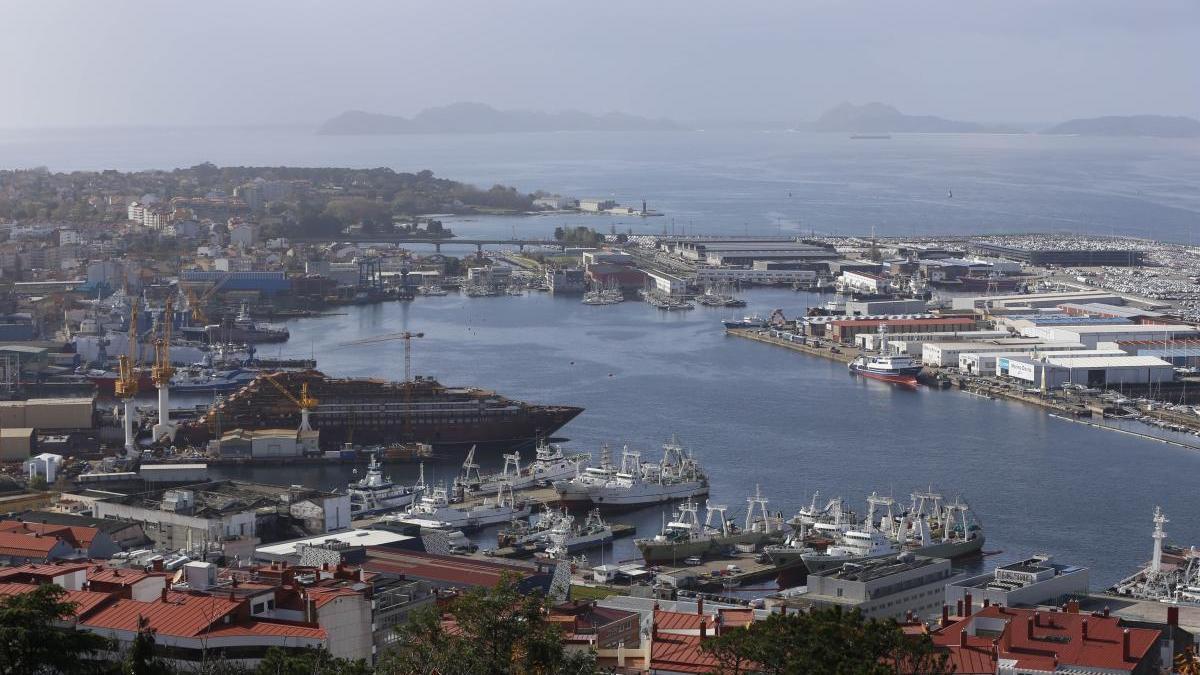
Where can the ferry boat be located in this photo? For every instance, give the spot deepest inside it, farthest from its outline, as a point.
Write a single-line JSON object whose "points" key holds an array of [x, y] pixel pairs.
{"points": [[376, 493], [684, 536], [635, 483], [887, 367]]}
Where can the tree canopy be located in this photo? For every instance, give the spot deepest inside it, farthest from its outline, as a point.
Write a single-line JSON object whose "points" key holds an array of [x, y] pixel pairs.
{"points": [[32, 641]]}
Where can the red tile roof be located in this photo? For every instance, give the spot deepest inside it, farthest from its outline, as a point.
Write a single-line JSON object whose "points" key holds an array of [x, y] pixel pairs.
{"points": [[681, 653], [85, 601], [1057, 639], [181, 615], [26, 545], [46, 571], [668, 621], [444, 568], [946, 321], [116, 576], [77, 536], [269, 629]]}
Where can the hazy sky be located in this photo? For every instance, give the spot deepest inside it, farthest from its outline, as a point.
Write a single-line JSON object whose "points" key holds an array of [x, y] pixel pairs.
{"points": [[216, 62]]}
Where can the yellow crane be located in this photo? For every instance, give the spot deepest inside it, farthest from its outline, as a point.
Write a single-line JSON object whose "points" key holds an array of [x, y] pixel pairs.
{"points": [[306, 402], [163, 371], [198, 302], [126, 386]]}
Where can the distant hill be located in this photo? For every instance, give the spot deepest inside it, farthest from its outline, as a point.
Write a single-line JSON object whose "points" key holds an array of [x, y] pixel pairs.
{"points": [[873, 118], [479, 118], [1130, 125]]}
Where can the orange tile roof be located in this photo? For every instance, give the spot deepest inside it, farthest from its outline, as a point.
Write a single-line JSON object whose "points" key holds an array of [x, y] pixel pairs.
{"points": [[117, 576], [26, 545], [667, 620], [1057, 639], [181, 615], [269, 628], [85, 601], [681, 653], [44, 570]]}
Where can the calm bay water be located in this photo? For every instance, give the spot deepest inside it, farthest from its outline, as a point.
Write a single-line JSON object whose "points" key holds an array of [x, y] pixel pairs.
{"points": [[760, 415], [726, 181]]}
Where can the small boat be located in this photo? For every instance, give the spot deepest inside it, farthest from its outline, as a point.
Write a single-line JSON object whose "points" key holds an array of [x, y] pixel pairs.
{"points": [[752, 321]]}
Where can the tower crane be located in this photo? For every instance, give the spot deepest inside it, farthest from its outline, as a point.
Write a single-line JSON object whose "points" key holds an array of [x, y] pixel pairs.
{"points": [[163, 371], [126, 386], [406, 336], [305, 402]]}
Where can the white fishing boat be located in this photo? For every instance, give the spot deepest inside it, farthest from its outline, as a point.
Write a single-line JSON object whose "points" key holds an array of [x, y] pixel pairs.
{"points": [[677, 476], [376, 493], [550, 464], [565, 537], [433, 510]]}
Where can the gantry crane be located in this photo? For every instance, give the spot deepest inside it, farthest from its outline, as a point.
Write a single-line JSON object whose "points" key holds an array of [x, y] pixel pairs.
{"points": [[163, 371], [126, 386], [306, 402]]}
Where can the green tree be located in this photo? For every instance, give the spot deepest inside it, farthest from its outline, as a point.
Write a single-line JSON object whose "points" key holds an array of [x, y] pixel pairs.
{"points": [[140, 659], [308, 662], [38, 483], [33, 642], [498, 631], [825, 642]]}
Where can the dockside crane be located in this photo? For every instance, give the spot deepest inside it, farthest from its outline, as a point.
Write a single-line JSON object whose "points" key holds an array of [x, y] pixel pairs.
{"points": [[196, 303], [162, 372], [306, 402], [406, 336], [126, 386]]}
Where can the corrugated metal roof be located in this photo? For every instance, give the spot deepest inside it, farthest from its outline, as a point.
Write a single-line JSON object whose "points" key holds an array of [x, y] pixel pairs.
{"points": [[1109, 362], [180, 615]]}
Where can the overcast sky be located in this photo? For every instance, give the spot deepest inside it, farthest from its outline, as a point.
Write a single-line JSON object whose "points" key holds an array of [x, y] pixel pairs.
{"points": [[158, 62]]}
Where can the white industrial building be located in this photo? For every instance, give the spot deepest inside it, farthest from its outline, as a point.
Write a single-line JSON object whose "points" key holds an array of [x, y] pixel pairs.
{"points": [[946, 354], [910, 343], [882, 588], [998, 363], [1090, 371], [1029, 583], [714, 275], [864, 282], [1034, 300], [667, 284], [1090, 335]]}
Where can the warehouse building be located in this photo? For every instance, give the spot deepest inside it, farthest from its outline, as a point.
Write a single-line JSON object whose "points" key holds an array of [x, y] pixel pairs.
{"points": [[765, 277], [1034, 300], [877, 307], [1091, 335], [268, 443], [16, 444], [47, 414], [667, 284], [1096, 372], [998, 363], [845, 330], [910, 343], [1179, 353], [947, 354], [1135, 314]]}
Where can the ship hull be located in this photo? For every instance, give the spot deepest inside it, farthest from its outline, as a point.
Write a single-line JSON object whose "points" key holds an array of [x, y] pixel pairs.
{"points": [[951, 550], [902, 378], [655, 553], [575, 496]]}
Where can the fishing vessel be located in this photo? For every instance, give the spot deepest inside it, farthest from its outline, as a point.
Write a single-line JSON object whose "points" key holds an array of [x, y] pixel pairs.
{"points": [[887, 367], [929, 527], [752, 321], [376, 493], [566, 537], [1171, 576], [433, 510], [685, 536], [421, 410], [532, 532], [550, 464], [634, 483]]}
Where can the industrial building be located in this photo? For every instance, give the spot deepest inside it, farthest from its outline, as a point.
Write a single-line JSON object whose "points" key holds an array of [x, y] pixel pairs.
{"points": [[666, 284], [268, 443], [566, 281], [47, 414], [1090, 371], [1181, 353], [987, 363], [265, 282], [229, 516], [946, 354], [1034, 300], [910, 343], [882, 588], [845, 330], [1090, 335], [765, 277], [1082, 257], [877, 307], [1036, 581], [16, 444], [348, 546], [1135, 314], [865, 282]]}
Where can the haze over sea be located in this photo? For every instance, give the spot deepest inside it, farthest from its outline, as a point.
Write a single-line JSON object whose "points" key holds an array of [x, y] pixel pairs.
{"points": [[722, 181], [753, 413]]}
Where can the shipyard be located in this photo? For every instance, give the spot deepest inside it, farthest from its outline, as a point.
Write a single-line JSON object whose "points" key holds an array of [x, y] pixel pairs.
{"points": [[809, 338]]}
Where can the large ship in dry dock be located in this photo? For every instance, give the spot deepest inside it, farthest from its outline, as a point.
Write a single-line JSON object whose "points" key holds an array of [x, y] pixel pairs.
{"points": [[369, 411]]}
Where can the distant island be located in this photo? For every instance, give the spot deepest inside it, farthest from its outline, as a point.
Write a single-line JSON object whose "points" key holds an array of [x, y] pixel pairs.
{"points": [[480, 118], [1160, 126], [881, 118]]}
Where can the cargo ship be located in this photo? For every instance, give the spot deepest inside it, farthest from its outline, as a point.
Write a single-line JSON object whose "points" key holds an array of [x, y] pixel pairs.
{"points": [[371, 411]]}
